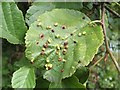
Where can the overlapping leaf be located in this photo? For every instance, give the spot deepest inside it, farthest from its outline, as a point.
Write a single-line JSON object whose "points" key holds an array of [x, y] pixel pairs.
{"points": [[61, 40], [82, 73], [13, 26], [67, 84], [39, 8], [23, 78]]}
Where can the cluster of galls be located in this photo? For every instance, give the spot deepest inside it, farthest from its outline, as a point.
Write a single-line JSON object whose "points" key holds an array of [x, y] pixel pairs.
{"points": [[65, 47], [48, 66], [45, 46]]}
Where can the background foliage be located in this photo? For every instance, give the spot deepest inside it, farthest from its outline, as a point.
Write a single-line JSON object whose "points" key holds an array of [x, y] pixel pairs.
{"points": [[103, 75]]}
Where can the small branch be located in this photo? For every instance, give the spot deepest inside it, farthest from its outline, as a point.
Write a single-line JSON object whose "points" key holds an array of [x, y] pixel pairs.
{"points": [[106, 57], [96, 62], [117, 3], [105, 37], [113, 12]]}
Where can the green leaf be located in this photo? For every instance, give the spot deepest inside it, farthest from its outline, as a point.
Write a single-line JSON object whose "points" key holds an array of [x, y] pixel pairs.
{"points": [[42, 83], [71, 82], [36, 9], [24, 78], [62, 48], [82, 73], [13, 26], [39, 8]]}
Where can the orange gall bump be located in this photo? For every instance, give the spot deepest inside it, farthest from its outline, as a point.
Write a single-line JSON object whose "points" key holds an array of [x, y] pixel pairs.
{"points": [[39, 24], [42, 53], [63, 27], [49, 66], [41, 35], [45, 45], [49, 27], [57, 52], [84, 33], [64, 51], [49, 40], [56, 24], [59, 59], [43, 49], [66, 47], [62, 70], [32, 61]]}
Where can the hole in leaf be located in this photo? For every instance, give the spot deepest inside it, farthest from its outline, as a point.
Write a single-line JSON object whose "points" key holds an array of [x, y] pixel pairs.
{"points": [[41, 35], [52, 31], [75, 42], [63, 27], [37, 42], [83, 17], [71, 34]]}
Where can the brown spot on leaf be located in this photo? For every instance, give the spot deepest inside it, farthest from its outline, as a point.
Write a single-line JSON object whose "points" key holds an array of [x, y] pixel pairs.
{"points": [[62, 70], [45, 45], [42, 53], [65, 43], [59, 59], [64, 51]]}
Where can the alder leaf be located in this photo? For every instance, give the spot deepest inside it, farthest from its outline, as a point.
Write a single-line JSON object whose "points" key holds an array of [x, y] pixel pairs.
{"points": [[61, 40], [39, 8], [24, 78], [13, 26], [67, 84]]}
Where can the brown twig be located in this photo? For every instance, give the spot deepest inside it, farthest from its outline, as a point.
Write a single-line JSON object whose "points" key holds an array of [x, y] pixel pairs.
{"points": [[96, 62], [113, 12], [105, 38]]}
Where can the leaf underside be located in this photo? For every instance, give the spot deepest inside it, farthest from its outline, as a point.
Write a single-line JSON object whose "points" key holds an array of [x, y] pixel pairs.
{"points": [[71, 42]]}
